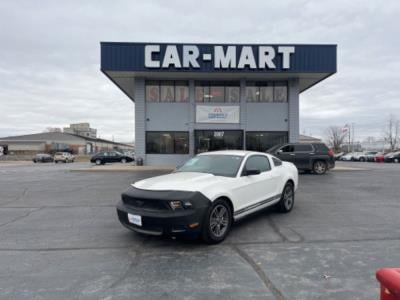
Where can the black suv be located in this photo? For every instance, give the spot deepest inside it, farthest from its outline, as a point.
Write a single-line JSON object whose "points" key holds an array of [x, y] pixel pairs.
{"points": [[315, 157]]}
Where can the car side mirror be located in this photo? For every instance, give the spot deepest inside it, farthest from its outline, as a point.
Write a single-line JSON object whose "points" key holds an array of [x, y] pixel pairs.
{"points": [[279, 151], [252, 172]]}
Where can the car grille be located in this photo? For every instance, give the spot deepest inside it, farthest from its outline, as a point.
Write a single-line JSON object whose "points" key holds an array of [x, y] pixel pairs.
{"points": [[146, 204]]}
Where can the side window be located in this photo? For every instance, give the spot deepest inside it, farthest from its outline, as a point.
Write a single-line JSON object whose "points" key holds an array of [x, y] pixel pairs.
{"points": [[303, 148], [258, 162], [288, 148], [277, 162]]}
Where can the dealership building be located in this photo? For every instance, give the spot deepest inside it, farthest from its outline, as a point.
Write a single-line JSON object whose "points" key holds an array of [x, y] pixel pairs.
{"points": [[192, 98]]}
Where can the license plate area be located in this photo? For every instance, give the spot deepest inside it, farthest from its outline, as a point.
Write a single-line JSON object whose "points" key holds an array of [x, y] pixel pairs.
{"points": [[135, 219]]}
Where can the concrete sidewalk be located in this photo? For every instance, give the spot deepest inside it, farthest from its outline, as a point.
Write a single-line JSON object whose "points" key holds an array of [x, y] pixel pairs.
{"points": [[123, 168]]}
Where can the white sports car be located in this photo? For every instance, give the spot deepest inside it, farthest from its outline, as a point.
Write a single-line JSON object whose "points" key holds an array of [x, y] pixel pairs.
{"points": [[208, 193]]}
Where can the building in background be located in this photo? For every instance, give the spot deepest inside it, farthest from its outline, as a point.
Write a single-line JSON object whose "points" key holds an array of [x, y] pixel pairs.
{"points": [[306, 139], [50, 142], [191, 98], [82, 129]]}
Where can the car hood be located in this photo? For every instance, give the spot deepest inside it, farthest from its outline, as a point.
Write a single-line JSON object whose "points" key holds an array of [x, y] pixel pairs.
{"points": [[181, 181]]}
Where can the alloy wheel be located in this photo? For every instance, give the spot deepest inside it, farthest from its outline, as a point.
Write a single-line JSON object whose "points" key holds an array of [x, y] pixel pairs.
{"points": [[319, 167], [288, 197], [219, 220]]}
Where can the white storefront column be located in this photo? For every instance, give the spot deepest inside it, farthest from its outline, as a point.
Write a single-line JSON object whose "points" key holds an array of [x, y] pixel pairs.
{"points": [[294, 121]]}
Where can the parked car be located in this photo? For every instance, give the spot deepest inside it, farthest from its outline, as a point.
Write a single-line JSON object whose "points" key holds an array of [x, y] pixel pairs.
{"points": [[315, 157], [364, 156], [129, 153], [338, 155], [208, 193], [379, 157], [64, 157], [42, 157], [110, 157], [347, 156], [392, 157]]}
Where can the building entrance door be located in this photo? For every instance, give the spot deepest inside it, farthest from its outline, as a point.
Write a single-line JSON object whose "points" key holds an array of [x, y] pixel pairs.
{"points": [[213, 140]]}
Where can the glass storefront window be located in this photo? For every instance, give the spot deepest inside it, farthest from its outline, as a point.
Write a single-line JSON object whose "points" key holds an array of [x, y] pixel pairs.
{"points": [[212, 140], [280, 92], [217, 92], [167, 91], [181, 91], [252, 92], [166, 142], [152, 91], [263, 140], [266, 91], [232, 94]]}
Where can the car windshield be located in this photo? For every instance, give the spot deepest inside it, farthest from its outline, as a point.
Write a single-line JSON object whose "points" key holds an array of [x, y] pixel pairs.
{"points": [[219, 165]]}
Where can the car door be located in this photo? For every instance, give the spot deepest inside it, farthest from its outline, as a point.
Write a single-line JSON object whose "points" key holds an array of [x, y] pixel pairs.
{"points": [[287, 153], [303, 155], [250, 190], [106, 158]]}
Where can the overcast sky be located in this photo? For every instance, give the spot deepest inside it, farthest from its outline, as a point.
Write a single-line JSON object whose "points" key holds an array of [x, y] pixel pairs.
{"points": [[49, 56]]}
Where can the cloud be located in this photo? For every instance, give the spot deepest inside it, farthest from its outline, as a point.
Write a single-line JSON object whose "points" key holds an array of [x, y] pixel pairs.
{"points": [[49, 56]]}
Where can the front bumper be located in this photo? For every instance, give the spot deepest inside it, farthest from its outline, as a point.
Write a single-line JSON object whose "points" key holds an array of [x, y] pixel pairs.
{"points": [[156, 215]]}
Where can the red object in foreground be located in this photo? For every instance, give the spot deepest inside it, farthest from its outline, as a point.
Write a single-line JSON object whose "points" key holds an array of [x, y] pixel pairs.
{"points": [[390, 283]]}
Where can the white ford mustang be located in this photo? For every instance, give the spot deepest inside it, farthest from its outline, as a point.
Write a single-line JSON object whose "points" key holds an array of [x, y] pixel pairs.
{"points": [[208, 193]]}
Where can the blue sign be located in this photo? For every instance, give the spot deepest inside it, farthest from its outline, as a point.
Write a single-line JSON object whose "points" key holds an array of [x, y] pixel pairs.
{"points": [[162, 57]]}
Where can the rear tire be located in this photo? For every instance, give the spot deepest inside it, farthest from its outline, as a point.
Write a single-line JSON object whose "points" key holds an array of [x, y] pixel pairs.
{"points": [[217, 223], [98, 162], [123, 160], [362, 159], [286, 203], [320, 167], [396, 160]]}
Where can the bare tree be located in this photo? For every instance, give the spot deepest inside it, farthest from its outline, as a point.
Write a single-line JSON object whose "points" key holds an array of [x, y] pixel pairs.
{"points": [[391, 135], [336, 137]]}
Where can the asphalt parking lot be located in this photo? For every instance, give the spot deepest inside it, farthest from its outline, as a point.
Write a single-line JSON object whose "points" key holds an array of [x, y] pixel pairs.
{"points": [[60, 239]]}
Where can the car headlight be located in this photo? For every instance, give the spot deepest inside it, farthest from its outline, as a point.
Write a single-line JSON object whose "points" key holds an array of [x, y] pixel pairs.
{"points": [[177, 204]]}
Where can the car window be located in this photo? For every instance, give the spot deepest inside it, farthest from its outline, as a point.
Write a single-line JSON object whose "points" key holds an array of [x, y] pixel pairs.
{"points": [[321, 147], [258, 162], [303, 148], [288, 148], [277, 162]]}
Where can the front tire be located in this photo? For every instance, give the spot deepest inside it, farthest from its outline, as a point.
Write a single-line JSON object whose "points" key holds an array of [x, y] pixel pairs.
{"points": [[217, 222], [362, 159], [123, 160], [286, 203], [98, 162], [320, 167], [396, 160]]}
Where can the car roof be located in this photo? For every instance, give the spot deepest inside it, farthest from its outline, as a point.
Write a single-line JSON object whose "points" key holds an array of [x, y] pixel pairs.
{"points": [[232, 152]]}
